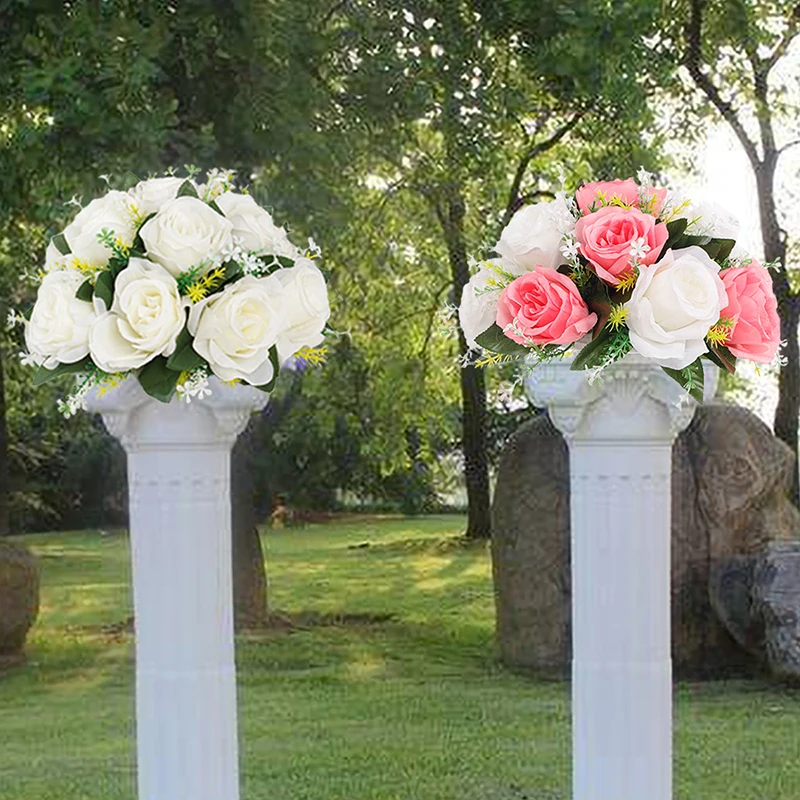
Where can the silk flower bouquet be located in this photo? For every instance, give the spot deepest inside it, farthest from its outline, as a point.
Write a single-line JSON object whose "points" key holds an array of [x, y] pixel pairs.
{"points": [[170, 282], [620, 267]]}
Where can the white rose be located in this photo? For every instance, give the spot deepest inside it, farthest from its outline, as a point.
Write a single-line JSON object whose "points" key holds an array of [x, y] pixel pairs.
{"points": [[144, 321], [148, 196], [58, 330], [54, 260], [235, 329], [673, 304], [184, 233], [254, 227], [713, 220], [533, 238], [305, 300], [478, 310], [113, 212]]}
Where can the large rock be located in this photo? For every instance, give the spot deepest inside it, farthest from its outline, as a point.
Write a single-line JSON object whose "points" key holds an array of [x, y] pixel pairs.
{"points": [[734, 597], [19, 600]]}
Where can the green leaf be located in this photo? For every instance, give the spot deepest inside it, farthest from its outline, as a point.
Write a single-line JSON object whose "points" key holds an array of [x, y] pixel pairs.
{"points": [[44, 375], [129, 180], [212, 204], [233, 271], [719, 249], [495, 340], [185, 358], [187, 190], [675, 230], [158, 380], [85, 291], [690, 377], [60, 241], [720, 355], [116, 265], [104, 288], [138, 247], [273, 357], [594, 353], [690, 241]]}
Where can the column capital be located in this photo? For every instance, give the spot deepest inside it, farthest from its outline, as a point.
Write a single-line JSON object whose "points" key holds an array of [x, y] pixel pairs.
{"points": [[142, 423], [634, 400]]}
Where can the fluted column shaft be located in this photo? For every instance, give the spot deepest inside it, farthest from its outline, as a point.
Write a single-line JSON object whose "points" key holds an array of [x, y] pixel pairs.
{"points": [[620, 432], [180, 522]]}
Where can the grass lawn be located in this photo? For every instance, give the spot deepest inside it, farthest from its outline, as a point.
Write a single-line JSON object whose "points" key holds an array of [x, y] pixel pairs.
{"points": [[410, 707]]}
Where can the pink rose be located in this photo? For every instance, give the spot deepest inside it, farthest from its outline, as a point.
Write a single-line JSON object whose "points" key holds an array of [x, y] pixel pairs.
{"points": [[605, 239], [754, 310], [601, 193], [545, 307]]}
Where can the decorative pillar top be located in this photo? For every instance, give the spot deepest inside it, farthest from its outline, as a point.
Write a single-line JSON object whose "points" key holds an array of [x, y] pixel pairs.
{"points": [[633, 401], [142, 423]]}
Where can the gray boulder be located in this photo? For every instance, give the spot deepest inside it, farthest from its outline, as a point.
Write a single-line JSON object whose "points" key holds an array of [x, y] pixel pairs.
{"points": [[19, 600], [735, 564]]}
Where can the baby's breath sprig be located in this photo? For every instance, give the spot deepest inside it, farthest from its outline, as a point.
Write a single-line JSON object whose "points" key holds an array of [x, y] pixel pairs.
{"points": [[490, 359], [313, 355], [617, 317], [619, 345], [628, 280], [720, 333], [202, 287], [189, 276], [115, 243], [448, 320], [193, 384], [504, 275], [580, 276], [14, 319]]}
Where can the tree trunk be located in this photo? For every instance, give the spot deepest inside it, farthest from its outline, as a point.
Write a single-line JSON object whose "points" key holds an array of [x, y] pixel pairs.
{"points": [[5, 477], [788, 409], [473, 386], [249, 573]]}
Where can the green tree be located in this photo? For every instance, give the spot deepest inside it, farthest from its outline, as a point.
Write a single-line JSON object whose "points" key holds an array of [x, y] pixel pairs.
{"points": [[734, 52], [455, 112], [77, 100]]}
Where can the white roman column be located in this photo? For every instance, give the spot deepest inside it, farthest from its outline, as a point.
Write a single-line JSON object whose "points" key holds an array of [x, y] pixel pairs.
{"points": [[180, 522], [620, 431]]}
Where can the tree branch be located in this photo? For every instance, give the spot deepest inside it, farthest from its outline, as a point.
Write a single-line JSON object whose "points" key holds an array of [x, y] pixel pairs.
{"points": [[530, 153], [693, 60], [788, 146], [792, 30]]}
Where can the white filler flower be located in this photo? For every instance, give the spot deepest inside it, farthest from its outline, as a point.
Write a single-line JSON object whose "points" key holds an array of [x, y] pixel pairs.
{"points": [[58, 330], [534, 235], [253, 226], [305, 301], [186, 233], [144, 321], [235, 329], [673, 304], [112, 212]]}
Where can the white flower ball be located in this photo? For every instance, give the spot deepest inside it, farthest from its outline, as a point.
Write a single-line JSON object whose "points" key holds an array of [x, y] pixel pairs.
{"points": [[185, 233], [235, 329], [253, 226], [533, 238], [144, 321], [673, 305], [113, 212], [149, 196], [58, 330], [305, 301]]}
